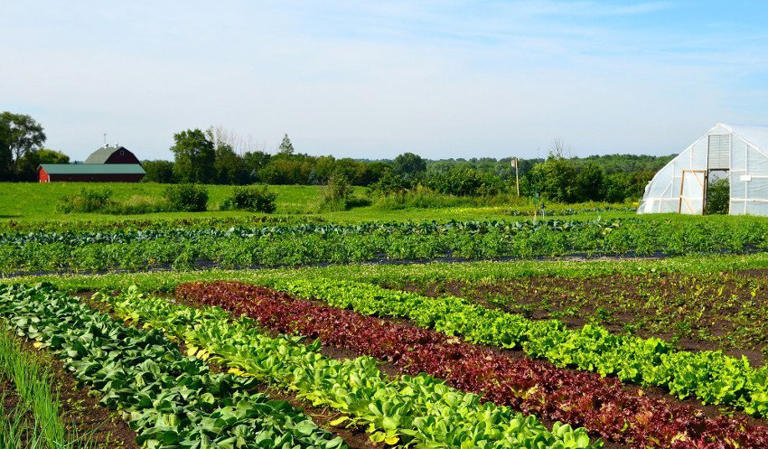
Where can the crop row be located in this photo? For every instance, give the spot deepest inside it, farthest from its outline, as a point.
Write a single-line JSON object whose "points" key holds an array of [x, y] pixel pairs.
{"points": [[717, 310], [75, 237], [313, 244], [172, 401], [599, 404], [710, 376], [32, 384], [419, 410]]}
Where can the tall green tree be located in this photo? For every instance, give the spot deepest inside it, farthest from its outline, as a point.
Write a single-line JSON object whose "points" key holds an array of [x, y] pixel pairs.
{"points": [[590, 183], [286, 147], [158, 171], [255, 161], [230, 167], [409, 165], [6, 155], [20, 134], [194, 157]]}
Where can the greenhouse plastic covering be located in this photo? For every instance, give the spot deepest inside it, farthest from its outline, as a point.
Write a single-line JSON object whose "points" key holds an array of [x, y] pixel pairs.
{"points": [[680, 185]]}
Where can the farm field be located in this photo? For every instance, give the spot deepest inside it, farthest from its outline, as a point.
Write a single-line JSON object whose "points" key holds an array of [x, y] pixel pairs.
{"points": [[384, 225], [586, 330]]}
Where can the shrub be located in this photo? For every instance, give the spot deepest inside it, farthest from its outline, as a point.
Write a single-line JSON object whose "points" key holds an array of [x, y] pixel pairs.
{"points": [[254, 199], [187, 197], [86, 201]]}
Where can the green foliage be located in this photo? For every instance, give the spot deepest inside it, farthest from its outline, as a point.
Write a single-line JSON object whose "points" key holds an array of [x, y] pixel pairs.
{"points": [[32, 381], [590, 183], [87, 200], [411, 411], [711, 376], [718, 197], [158, 171], [229, 166], [312, 243], [26, 166], [255, 199], [456, 181], [187, 197], [554, 180], [194, 157], [409, 165], [286, 147], [172, 401], [20, 136], [337, 194]]}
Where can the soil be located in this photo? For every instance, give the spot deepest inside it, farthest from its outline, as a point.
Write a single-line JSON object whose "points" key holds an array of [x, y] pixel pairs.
{"points": [[652, 306]]}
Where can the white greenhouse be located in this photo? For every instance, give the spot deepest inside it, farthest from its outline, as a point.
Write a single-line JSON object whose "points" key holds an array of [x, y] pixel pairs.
{"points": [[739, 153]]}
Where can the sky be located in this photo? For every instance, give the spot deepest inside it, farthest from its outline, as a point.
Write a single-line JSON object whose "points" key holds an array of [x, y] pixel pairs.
{"points": [[373, 79]]}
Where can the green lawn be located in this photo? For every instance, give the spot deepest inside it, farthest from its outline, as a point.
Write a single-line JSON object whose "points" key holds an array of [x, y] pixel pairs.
{"points": [[36, 202]]}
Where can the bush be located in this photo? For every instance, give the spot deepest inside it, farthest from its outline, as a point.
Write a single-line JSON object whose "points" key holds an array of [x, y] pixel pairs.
{"points": [[187, 197], [254, 199], [86, 201], [337, 195]]}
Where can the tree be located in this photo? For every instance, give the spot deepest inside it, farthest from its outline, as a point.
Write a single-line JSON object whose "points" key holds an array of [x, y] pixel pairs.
{"points": [[230, 167], [6, 156], [158, 171], [286, 147], [26, 167], [20, 134], [194, 157], [255, 161], [409, 165], [553, 179], [590, 183]]}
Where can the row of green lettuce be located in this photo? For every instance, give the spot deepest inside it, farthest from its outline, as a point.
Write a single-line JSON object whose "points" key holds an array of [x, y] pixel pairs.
{"points": [[711, 376], [172, 401], [404, 410], [337, 244]]}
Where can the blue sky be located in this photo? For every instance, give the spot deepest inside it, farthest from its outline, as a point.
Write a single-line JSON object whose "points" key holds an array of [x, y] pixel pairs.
{"points": [[374, 79]]}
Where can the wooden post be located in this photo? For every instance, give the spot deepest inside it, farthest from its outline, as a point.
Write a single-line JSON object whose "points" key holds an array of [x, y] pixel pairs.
{"points": [[517, 177]]}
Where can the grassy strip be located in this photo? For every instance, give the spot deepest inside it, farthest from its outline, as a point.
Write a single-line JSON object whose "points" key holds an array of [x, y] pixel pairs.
{"points": [[407, 410], [388, 274], [33, 385], [173, 402], [708, 375]]}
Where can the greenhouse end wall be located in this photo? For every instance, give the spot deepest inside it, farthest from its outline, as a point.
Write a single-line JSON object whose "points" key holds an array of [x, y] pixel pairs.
{"points": [[680, 185]]}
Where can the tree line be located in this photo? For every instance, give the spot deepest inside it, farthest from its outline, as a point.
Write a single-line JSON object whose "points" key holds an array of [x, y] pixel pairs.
{"points": [[213, 156]]}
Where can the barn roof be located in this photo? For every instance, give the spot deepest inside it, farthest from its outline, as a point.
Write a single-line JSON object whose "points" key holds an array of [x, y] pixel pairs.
{"points": [[101, 155], [93, 169]]}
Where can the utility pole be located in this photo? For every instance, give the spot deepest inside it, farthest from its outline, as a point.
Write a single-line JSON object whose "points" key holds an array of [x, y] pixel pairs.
{"points": [[517, 177]]}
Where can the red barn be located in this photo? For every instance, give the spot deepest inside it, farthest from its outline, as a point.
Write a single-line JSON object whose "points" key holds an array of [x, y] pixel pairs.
{"points": [[107, 164]]}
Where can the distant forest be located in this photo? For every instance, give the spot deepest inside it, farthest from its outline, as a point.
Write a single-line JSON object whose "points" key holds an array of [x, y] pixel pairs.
{"points": [[215, 156]]}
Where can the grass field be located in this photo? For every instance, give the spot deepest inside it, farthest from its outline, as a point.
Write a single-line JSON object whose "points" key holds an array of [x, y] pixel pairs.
{"points": [[35, 202]]}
